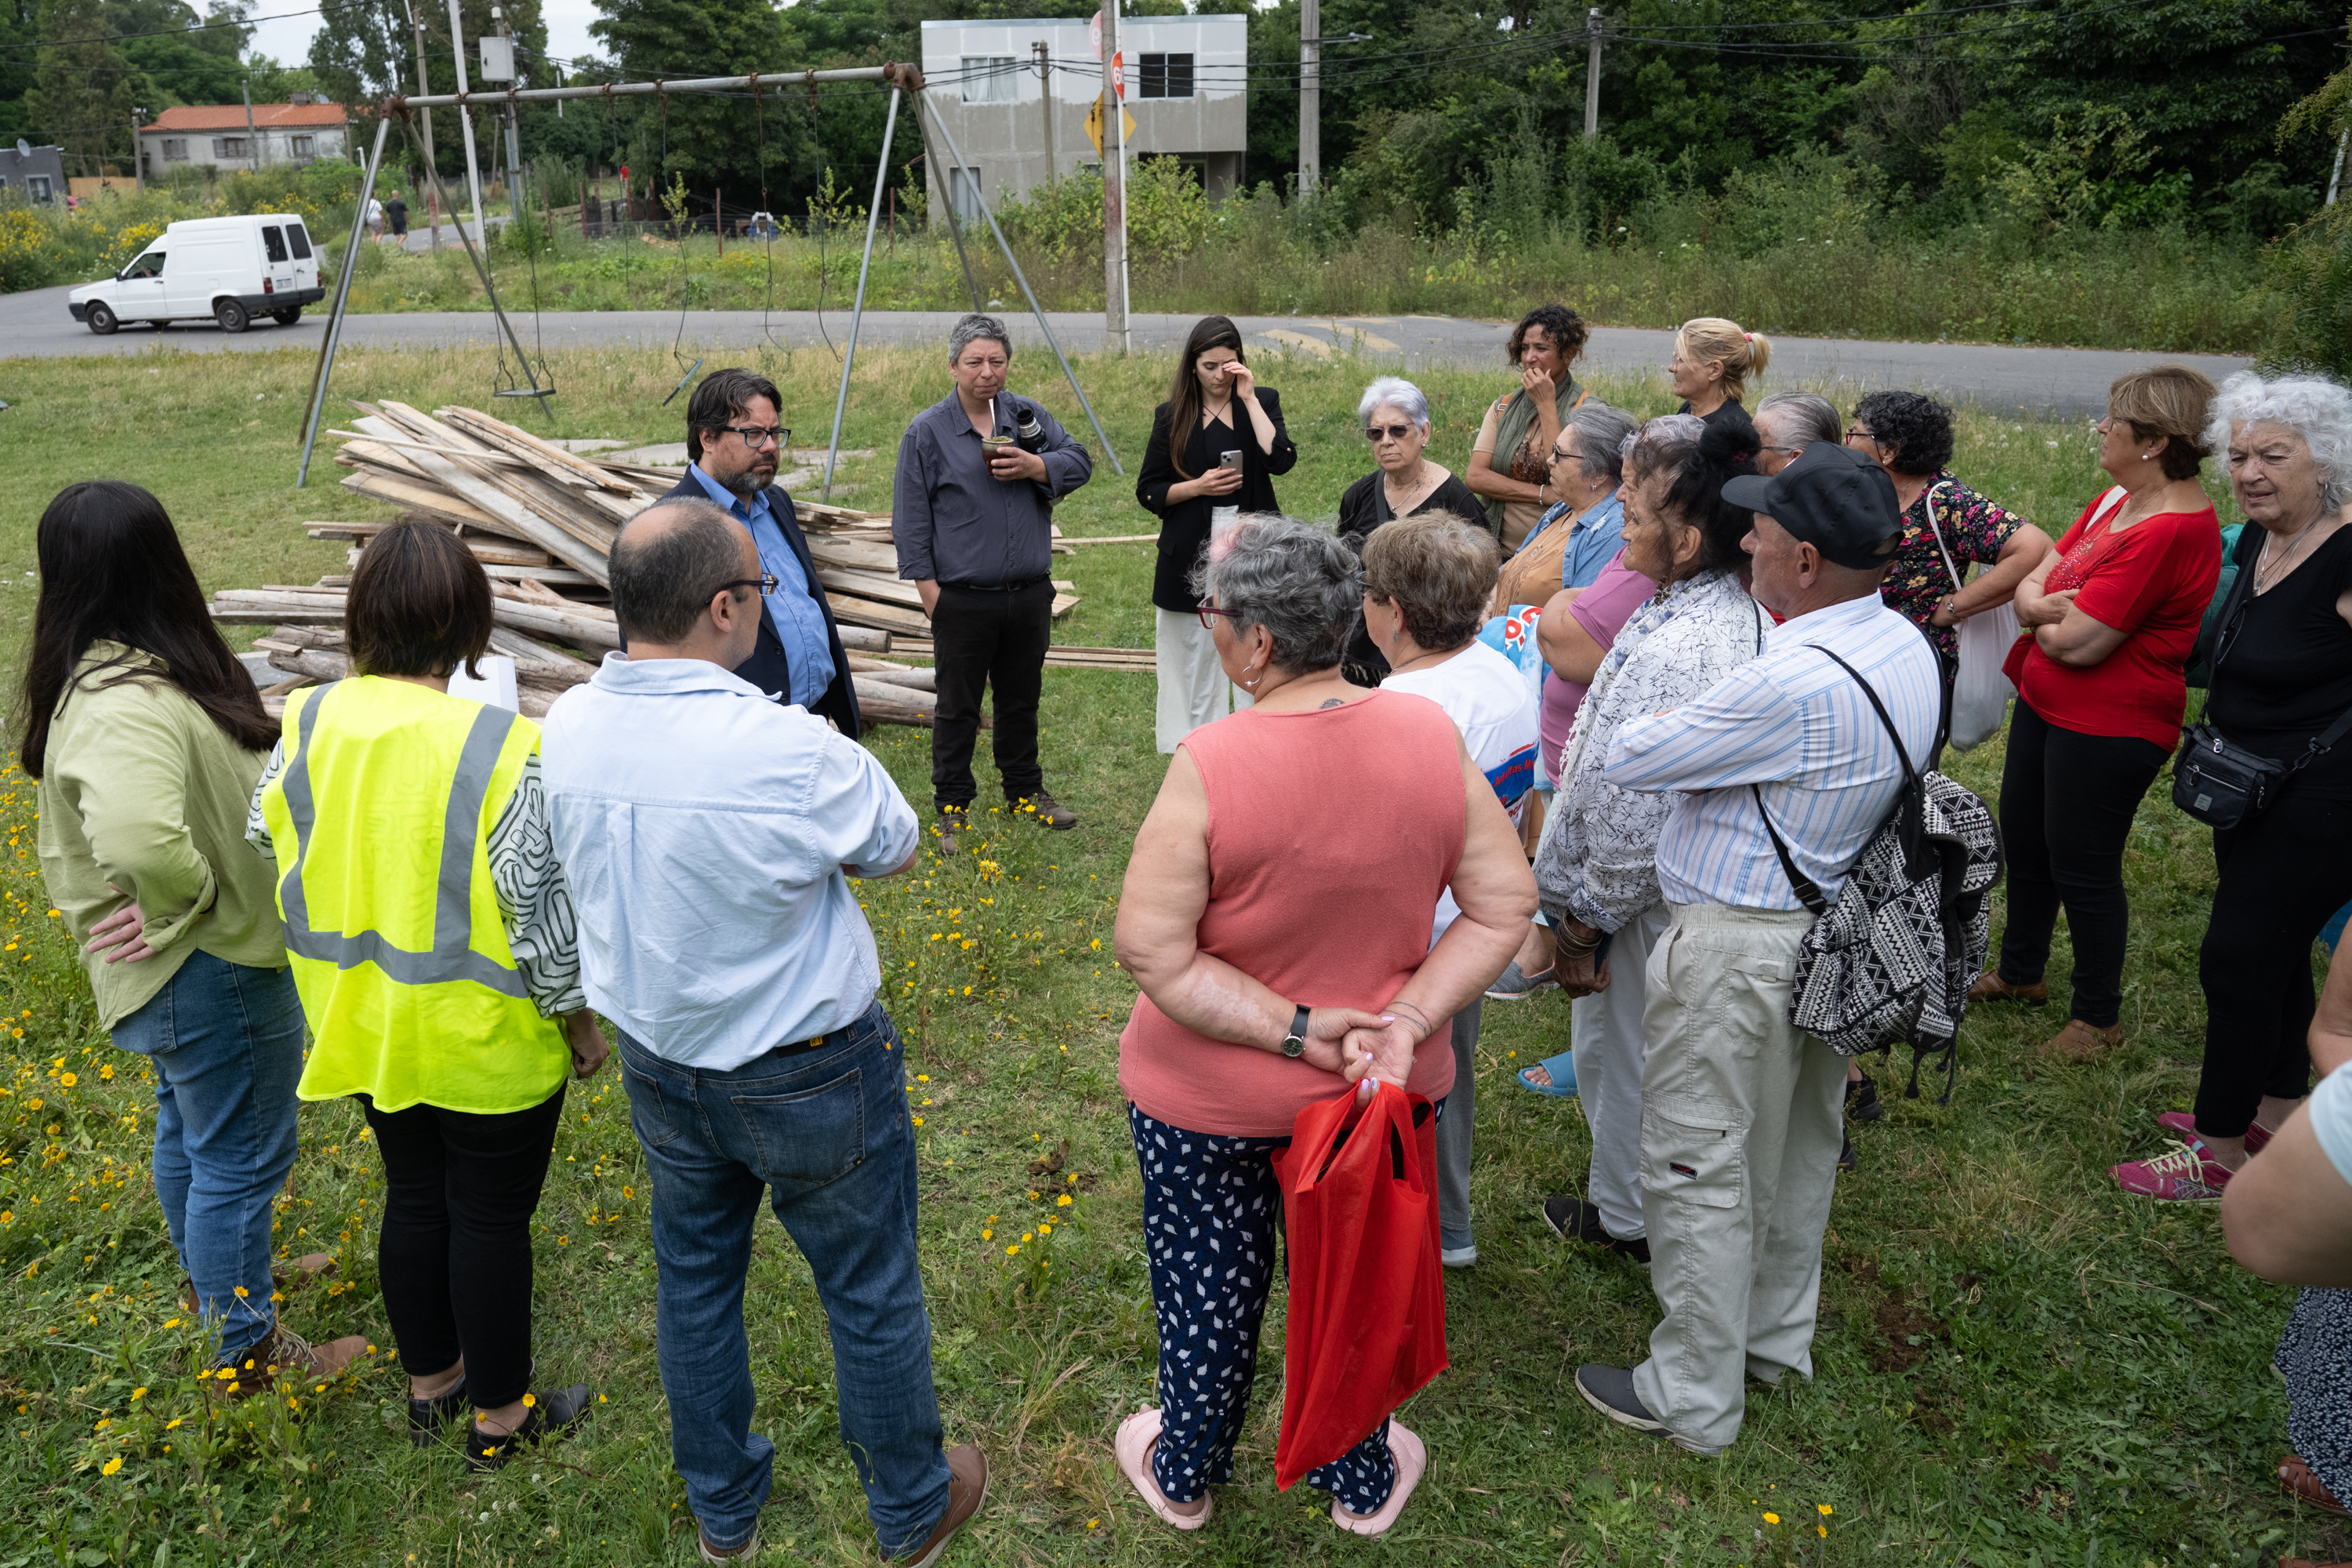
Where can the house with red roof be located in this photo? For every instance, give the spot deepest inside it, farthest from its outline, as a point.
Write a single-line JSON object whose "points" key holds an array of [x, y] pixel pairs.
{"points": [[230, 136]]}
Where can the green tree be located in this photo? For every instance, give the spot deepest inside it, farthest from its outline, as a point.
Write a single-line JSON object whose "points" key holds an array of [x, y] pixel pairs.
{"points": [[83, 90]]}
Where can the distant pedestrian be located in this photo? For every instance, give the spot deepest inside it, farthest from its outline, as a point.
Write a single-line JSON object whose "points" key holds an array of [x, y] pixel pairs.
{"points": [[435, 947], [2281, 684], [1395, 420], [972, 511], [1216, 446], [711, 835], [1509, 459], [395, 213], [1740, 1120], [1711, 365], [146, 737], [2112, 615], [376, 218]]}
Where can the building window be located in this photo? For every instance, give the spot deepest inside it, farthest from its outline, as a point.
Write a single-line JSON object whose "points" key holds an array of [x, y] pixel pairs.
{"points": [[230, 147], [1167, 75], [176, 149], [963, 194], [987, 78], [38, 188], [306, 146]]}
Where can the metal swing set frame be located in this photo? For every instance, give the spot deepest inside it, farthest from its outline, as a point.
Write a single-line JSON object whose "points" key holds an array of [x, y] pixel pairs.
{"points": [[903, 79]]}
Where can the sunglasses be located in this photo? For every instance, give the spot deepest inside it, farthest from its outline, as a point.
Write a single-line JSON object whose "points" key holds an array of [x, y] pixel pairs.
{"points": [[1388, 432]]}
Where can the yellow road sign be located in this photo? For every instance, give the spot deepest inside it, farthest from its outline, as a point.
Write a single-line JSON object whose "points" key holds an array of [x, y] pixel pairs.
{"points": [[1095, 126]]}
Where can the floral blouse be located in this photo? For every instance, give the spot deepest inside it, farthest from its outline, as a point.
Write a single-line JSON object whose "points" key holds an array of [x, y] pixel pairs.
{"points": [[1598, 858], [1974, 529]]}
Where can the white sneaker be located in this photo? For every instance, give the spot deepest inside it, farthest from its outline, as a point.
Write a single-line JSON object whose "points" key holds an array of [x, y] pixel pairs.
{"points": [[1457, 1257]]}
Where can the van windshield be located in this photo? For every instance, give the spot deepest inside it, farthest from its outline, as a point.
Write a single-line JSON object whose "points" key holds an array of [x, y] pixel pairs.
{"points": [[273, 242], [301, 241]]}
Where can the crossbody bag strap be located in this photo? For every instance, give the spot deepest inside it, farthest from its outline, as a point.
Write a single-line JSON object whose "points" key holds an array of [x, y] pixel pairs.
{"points": [[1910, 773], [2241, 590], [1808, 892]]}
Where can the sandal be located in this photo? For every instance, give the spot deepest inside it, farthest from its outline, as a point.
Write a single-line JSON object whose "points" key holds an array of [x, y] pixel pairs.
{"points": [[2295, 1477], [1560, 1069], [1137, 1435], [1412, 1457]]}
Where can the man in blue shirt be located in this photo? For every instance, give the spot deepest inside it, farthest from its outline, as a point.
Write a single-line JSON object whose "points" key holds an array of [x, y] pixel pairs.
{"points": [[734, 431]]}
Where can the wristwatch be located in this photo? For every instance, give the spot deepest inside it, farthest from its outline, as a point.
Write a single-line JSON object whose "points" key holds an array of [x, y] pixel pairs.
{"points": [[1294, 1044]]}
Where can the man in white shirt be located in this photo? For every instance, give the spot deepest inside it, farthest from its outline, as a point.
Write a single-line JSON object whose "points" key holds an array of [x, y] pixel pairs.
{"points": [[1741, 1122], [710, 835]]}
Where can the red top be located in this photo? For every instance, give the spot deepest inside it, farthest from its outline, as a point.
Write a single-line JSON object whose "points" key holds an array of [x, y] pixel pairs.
{"points": [[1331, 834], [2152, 582]]}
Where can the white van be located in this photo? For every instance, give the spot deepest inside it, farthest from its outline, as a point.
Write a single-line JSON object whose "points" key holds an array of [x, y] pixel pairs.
{"points": [[228, 268]]}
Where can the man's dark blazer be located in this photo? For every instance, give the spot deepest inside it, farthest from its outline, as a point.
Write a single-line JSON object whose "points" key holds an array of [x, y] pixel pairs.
{"points": [[767, 668]]}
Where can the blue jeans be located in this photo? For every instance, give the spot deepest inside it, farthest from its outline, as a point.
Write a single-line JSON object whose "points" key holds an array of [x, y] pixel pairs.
{"points": [[823, 1129], [226, 1045]]}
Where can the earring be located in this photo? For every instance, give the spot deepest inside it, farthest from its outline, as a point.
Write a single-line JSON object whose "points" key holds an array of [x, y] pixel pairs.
{"points": [[2148, 456], [1253, 680]]}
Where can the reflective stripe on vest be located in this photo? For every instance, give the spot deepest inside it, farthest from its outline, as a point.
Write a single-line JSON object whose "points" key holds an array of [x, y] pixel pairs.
{"points": [[453, 957]]}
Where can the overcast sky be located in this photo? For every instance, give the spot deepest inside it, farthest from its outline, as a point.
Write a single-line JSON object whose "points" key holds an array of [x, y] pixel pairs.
{"points": [[288, 41]]}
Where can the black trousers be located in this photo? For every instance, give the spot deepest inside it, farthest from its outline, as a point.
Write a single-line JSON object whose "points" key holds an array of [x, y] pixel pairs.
{"points": [[2282, 874], [982, 639], [2066, 807], [454, 1255]]}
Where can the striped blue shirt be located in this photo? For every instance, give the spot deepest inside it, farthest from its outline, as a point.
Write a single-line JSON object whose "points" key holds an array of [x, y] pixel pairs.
{"points": [[1794, 722]]}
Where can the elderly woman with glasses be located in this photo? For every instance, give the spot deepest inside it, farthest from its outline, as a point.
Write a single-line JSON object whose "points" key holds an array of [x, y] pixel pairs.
{"points": [[2282, 678], [1395, 418], [1256, 1003]]}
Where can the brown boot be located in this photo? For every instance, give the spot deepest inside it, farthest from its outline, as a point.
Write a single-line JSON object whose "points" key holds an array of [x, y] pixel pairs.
{"points": [[1049, 812], [308, 1267], [967, 1489], [282, 1352], [953, 820], [1991, 987], [2079, 1042]]}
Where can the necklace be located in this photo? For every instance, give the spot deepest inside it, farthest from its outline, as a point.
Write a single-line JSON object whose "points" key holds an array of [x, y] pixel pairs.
{"points": [[2265, 578], [1396, 492], [1416, 659]]}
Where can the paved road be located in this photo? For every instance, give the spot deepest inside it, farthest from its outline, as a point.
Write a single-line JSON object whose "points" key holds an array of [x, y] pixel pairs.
{"points": [[2065, 380]]}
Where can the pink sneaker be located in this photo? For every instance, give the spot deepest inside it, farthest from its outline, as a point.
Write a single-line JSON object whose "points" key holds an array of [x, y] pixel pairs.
{"points": [[2185, 1124], [2185, 1175]]}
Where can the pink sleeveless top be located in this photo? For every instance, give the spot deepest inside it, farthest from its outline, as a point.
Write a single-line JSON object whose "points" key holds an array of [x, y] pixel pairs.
{"points": [[1331, 834]]}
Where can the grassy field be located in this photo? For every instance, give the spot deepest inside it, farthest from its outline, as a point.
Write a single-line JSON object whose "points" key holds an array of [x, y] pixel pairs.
{"points": [[2016, 1365]]}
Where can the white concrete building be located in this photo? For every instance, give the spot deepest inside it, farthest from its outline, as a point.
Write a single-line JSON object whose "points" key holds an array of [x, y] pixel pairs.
{"points": [[225, 136], [1187, 87]]}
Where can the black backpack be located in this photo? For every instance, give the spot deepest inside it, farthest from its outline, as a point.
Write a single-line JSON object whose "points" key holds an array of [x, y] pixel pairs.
{"points": [[1894, 957]]}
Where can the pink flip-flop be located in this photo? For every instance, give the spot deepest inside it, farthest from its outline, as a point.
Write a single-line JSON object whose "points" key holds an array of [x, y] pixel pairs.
{"points": [[1133, 1446], [1411, 1463]]}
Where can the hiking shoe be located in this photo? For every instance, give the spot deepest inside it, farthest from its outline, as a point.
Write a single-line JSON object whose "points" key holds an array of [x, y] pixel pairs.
{"points": [[1514, 986], [953, 821], [2184, 1176], [1847, 1160], [967, 1489], [427, 1416], [2079, 1042], [1609, 1390], [1991, 987], [2185, 1124], [1573, 1219], [1049, 812], [307, 1268], [549, 1415], [256, 1368], [1862, 1101], [724, 1554]]}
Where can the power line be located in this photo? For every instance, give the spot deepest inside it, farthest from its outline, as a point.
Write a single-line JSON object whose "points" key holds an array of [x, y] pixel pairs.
{"points": [[248, 24]]}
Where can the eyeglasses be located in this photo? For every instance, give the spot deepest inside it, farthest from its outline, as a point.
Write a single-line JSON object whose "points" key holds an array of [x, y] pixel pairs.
{"points": [[755, 437], [1209, 614], [1859, 433], [1390, 432], [766, 582], [1560, 456], [1792, 451]]}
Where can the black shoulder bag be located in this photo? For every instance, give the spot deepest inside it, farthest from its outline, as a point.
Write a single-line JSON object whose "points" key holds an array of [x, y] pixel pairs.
{"points": [[2218, 782]]}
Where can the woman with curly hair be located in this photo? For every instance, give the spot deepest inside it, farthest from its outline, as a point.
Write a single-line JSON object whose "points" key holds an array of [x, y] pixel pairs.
{"points": [[1520, 426]]}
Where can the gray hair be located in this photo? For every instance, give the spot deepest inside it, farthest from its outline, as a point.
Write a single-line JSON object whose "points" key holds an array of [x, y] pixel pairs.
{"points": [[1661, 438], [2314, 408], [1397, 393], [971, 329], [1601, 433], [1812, 417], [667, 563], [1299, 582]]}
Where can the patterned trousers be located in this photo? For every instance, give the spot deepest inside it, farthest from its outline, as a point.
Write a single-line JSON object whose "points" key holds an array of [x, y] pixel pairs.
{"points": [[1212, 1209]]}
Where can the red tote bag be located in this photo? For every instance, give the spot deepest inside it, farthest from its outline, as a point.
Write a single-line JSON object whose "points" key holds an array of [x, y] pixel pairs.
{"points": [[1367, 1324]]}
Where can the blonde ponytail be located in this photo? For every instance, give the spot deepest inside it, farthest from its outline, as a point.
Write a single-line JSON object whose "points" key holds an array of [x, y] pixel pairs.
{"points": [[1742, 353]]}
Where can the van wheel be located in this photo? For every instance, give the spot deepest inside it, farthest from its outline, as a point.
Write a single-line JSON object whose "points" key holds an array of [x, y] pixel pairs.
{"points": [[101, 320], [286, 317], [231, 316]]}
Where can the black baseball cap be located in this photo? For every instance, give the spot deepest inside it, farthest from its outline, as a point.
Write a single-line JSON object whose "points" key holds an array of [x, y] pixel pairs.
{"points": [[1835, 499]]}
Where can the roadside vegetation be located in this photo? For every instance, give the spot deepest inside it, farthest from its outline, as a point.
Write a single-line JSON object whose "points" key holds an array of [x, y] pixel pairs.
{"points": [[2016, 1367]]}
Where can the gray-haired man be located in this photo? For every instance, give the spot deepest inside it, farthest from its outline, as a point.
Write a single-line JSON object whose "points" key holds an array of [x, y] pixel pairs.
{"points": [[979, 473]]}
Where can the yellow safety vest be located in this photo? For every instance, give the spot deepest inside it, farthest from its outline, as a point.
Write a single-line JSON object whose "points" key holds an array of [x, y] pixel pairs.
{"points": [[381, 819]]}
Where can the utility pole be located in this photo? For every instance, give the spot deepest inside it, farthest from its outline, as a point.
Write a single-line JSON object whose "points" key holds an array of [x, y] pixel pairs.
{"points": [[137, 163], [514, 129], [1592, 73], [425, 120], [1310, 95], [252, 148], [1046, 79], [466, 123], [1114, 117]]}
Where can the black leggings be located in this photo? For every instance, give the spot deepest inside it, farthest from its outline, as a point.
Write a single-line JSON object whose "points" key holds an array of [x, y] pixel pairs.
{"points": [[2066, 807], [454, 1256], [2282, 874]]}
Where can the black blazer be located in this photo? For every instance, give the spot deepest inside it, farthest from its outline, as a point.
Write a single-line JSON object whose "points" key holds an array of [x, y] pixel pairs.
{"points": [[1184, 527], [767, 668]]}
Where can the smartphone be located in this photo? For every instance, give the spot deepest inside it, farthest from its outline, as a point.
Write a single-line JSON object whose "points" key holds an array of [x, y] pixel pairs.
{"points": [[1230, 460]]}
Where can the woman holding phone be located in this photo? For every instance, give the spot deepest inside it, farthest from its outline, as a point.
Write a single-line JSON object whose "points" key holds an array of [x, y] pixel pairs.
{"points": [[1216, 445]]}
